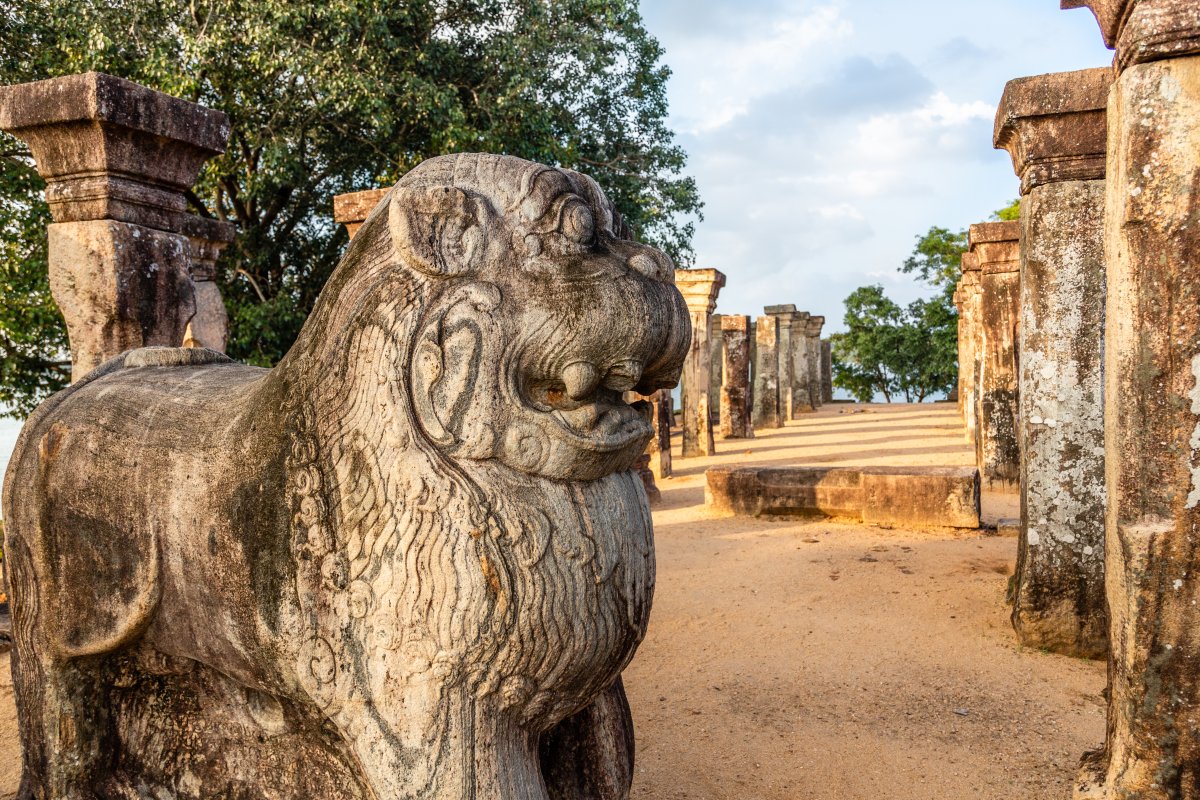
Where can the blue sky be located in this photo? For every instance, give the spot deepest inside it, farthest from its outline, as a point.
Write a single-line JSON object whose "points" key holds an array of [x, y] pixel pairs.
{"points": [[825, 135]]}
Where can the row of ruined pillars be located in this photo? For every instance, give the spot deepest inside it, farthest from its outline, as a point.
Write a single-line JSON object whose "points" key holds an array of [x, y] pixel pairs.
{"points": [[1079, 381]]}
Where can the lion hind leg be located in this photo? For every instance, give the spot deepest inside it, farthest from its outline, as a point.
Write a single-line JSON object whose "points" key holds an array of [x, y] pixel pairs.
{"points": [[590, 756]]}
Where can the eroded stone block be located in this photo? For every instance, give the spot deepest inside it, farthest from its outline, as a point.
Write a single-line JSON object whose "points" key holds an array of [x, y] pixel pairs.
{"points": [[735, 388]]}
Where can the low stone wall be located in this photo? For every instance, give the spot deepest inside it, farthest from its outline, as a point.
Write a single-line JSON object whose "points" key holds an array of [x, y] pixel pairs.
{"points": [[944, 497]]}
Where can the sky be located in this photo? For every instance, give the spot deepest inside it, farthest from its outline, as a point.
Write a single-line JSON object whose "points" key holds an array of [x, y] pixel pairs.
{"points": [[826, 135]]}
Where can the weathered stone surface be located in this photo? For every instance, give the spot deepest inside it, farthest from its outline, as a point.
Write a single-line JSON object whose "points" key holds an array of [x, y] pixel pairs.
{"points": [[766, 413], [735, 386], [389, 567], [826, 371], [1152, 415], [812, 352], [117, 159], [784, 315], [910, 496], [209, 326], [699, 288], [1146, 30], [353, 208], [970, 344], [1054, 128], [996, 246], [801, 394], [661, 418], [716, 376], [111, 149], [119, 286]]}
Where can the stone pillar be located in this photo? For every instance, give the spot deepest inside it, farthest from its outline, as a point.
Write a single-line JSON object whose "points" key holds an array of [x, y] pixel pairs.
{"points": [[117, 159], [969, 341], [996, 245], [660, 446], [801, 391], [813, 352], [699, 288], [784, 315], [209, 326], [1152, 404], [717, 362], [766, 413], [826, 371], [1053, 126], [353, 208], [735, 385]]}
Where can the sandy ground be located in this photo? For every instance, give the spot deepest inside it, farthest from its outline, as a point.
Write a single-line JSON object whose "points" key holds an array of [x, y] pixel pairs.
{"points": [[791, 660]]}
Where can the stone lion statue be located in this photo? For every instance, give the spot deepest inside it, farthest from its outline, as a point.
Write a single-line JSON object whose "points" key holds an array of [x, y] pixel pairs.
{"points": [[410, 561]]}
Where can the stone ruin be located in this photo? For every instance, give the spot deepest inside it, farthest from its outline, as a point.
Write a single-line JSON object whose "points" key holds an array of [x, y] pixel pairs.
{"points": [[378, 570]]}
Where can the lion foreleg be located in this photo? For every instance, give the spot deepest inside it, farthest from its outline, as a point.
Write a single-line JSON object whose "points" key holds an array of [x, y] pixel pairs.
{"points": [[589, 756]]}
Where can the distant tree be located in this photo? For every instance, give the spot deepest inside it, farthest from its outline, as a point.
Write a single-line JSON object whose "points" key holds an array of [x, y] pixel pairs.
{"points": [[937, 258], [1009, 213], [331, 96]]}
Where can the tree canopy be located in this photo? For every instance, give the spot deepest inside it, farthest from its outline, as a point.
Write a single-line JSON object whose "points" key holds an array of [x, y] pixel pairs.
{"points": [[334, 96]]}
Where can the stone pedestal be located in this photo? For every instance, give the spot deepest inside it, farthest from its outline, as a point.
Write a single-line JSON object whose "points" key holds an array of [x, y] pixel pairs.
{"points": [[699, 288], [1054, 128], [996, 245], [353, 208], [735, 384], [117, 159], [766, 410], [209, 326], [826, 371], [1152, 405], [812, 352]]}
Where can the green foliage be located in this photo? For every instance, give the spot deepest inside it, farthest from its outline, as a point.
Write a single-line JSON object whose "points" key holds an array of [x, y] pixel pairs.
{"points": [[334, 96], [1010, 213], [937, 258]]}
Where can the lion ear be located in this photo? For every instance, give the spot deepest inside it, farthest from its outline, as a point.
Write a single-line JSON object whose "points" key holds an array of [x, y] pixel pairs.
{"points": [[439, 230]]}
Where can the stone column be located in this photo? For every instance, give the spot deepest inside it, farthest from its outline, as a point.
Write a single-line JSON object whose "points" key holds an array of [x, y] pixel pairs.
{"points": [[209, 326], [826, 371], [996, 245], [717, 362], [699, 288], [1053, 126], [353, 208], [660, 446], [117, 159], [801, 391], [735, 385], [784, 315], [813, 352], [970, 297], [1152, 404], [767, 412]]}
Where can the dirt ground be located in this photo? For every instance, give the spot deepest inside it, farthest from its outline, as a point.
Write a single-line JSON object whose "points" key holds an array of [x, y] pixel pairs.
{"points": [[814, 660]]}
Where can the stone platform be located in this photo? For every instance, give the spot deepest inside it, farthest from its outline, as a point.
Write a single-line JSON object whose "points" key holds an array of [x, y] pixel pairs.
{"points": [[943, 497]]}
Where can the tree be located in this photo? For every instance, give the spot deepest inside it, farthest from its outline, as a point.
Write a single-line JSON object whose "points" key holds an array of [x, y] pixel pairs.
{"points": [[334, 96]]}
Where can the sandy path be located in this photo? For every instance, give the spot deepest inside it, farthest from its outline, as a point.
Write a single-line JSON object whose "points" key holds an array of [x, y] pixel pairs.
{"points": [[792, 660], [825, 661]]}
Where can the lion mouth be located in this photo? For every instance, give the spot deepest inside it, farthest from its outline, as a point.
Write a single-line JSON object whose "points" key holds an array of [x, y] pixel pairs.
{"points": [[603, 422]]}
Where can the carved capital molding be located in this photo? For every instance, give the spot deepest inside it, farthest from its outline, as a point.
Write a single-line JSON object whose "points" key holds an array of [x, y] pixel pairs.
{"points": [[207, 237], [700, 288], [1145, 30], [353, 208], [996, 246], [111, 149], [1053, 126]]}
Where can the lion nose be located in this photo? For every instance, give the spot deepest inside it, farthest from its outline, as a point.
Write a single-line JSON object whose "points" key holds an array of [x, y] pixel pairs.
{"points": [[652, 263], [580, 379], [623, 376]]}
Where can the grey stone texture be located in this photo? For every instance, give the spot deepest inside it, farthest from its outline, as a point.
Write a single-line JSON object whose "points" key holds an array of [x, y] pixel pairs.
{"points": [[700, 288], [812, 353], [1054, 128], [784, 315], [117, 159], [661, 418], [412, 559], [968, 298], [766, 411], [717, 362], [735, 385], [1152, 406], [801, 394], [826, 371], [996, 245]]}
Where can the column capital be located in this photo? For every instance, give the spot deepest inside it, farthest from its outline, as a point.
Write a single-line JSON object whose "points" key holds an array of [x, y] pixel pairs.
{"points": [[208, 237], [353, 208], [1145, 30], [111, 149], [776, 310], [814, 325], [996, 246], [735, 322], [699, 288], [1053, 126]]}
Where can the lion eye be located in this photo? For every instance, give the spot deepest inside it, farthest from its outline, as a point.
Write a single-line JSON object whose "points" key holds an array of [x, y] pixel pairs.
{"points": [[578, 223]]}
